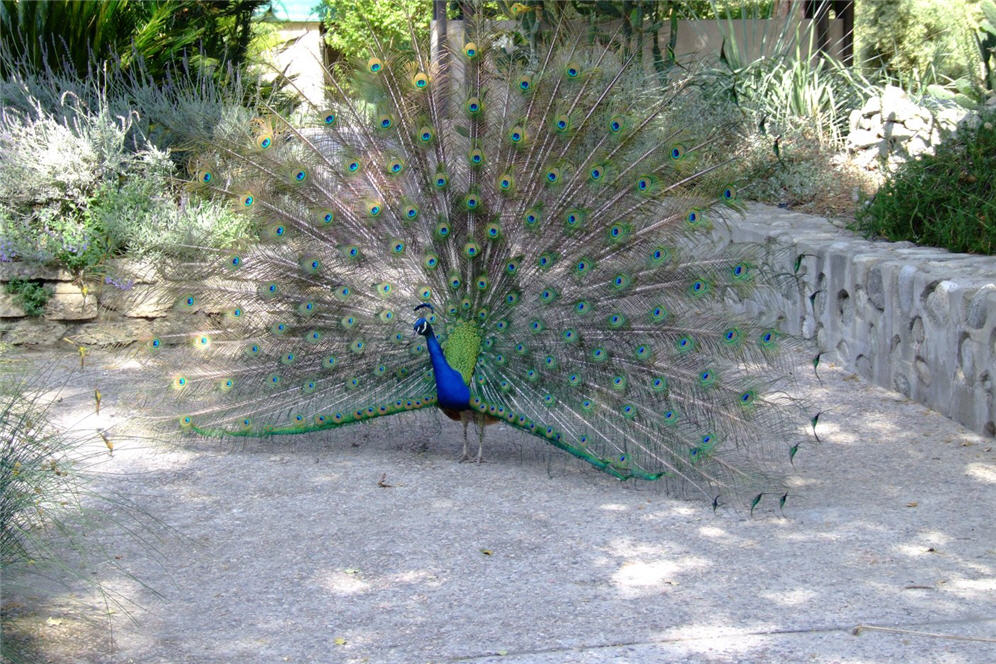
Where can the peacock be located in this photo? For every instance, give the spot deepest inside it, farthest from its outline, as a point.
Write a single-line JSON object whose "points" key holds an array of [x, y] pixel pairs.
{"points": [[513, 231]]}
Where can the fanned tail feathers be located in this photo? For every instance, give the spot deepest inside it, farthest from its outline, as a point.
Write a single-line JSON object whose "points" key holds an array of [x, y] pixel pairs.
{"points": [[552, 215]]}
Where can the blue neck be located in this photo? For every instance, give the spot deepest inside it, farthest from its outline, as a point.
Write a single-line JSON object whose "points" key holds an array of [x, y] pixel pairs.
{"points": [[451, 391]]}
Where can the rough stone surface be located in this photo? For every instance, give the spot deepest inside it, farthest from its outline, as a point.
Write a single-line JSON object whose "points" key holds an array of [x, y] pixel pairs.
{"points": [[31, 332], [69, 303], [18, 270], [137, 301], [9, 308], [112, 332]]}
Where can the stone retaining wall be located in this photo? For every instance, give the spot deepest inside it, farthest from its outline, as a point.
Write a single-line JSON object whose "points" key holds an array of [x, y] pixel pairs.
{"points": [[119, 309], [916, 320]]}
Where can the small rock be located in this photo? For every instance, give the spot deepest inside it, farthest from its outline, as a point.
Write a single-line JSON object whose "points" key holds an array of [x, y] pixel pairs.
{"points": [[897, 130], [916, 124], [917, 146], [854, 120], [862, 139], [871, 107]]}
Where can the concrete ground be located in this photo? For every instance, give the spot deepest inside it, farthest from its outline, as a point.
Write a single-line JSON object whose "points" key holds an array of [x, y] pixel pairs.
{"points": [[368, 548]]}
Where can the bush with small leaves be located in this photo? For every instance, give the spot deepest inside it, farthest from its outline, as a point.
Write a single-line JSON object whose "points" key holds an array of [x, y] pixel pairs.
{"points": [[947, 199], [31, 296]]}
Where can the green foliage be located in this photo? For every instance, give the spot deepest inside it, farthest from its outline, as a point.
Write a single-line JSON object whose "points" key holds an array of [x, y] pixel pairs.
{"points": [[29, 295], [944, 200], [350, 22], [918, 42], [51, 500], [985, 41], [81, 184], [35, 472], [785, 90], [58, 34]]}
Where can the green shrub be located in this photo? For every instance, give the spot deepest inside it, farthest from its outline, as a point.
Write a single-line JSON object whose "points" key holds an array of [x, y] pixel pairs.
{"points": [[947, 199], [349, 23], [79, 185], [29, 295], [52, 502], [785, 89], [73, 35], [918, 42], [53, 169]]}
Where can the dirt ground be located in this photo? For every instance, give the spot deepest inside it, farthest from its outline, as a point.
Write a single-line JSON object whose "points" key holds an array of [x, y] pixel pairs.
{"points": [[378, 546]]}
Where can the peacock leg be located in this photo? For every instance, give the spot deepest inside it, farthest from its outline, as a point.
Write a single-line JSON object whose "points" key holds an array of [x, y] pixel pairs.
{"points": [[480, 421], [465, 456]]}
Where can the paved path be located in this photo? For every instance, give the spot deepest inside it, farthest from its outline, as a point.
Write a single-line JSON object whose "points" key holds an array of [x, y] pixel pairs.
{"points": [[293, 552]]}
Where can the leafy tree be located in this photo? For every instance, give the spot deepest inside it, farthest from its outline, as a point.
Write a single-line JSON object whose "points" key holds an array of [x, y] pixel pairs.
{"points": [[918, 42], [74, 34], [347, 23]]}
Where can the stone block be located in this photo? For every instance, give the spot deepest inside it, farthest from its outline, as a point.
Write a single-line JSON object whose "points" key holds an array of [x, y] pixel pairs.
{"points": [[139, 301], [937, 302], [897, 130], [9, 308], [112, 333], [897, 105], [68, 303], [28, 270], [917, 123], [32, 332], [872, 106], [980, 306], [867, 159], [854, 120], [123, 272], [875, 287], [863, 138], [918, 145]]}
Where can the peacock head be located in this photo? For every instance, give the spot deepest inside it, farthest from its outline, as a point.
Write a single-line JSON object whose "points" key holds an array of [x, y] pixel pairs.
{"points": [[422, 326]]}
